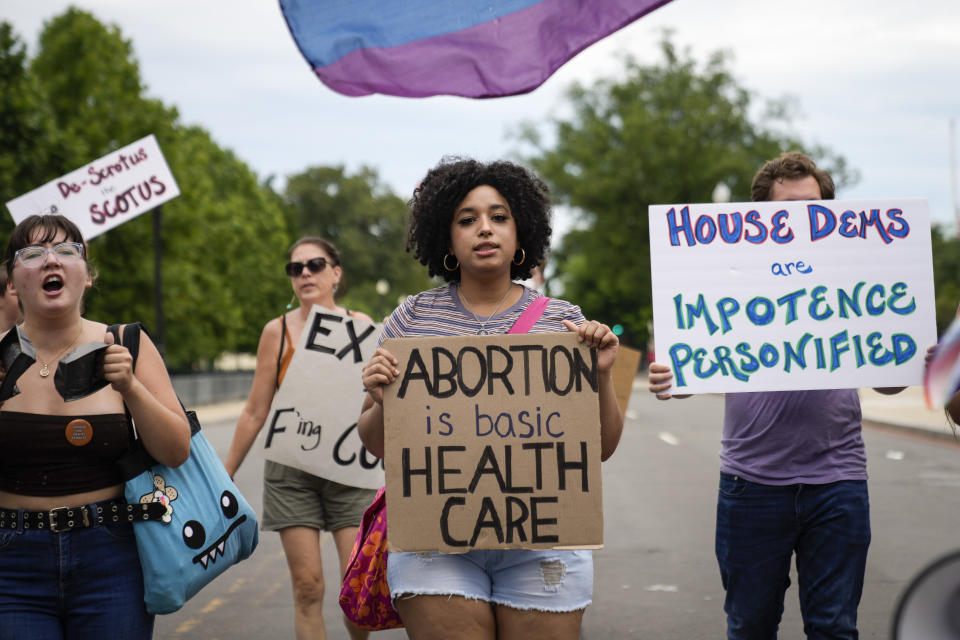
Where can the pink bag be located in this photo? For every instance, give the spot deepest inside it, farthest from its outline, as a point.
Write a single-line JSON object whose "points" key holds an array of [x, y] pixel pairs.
{"points": [[364, 594]]}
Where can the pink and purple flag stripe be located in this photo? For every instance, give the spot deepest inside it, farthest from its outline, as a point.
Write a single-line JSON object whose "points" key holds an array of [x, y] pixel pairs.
{"points": [[418, 48]]}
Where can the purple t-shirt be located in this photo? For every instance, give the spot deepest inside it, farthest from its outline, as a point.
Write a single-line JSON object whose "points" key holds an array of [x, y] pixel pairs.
{"points": [[792, 437], [439, 312]]}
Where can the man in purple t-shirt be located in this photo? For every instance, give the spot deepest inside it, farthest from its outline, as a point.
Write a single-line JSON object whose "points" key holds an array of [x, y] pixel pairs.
{"points": [[793, 480]]}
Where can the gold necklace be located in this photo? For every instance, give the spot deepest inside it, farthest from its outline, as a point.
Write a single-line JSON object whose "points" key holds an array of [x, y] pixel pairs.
{"points": [[45, 366], [483, 325]]}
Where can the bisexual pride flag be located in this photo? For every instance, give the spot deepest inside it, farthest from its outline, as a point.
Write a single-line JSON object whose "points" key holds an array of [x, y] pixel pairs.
{"points": [[471, 48], [942, 377]]}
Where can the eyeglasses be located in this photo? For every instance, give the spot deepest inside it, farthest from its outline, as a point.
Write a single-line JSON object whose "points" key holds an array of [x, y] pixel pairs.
{"points": [[35, 256], [316, 265]]}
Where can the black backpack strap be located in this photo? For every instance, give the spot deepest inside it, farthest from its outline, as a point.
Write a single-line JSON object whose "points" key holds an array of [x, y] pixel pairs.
{"points": [[131, 339], [136, 459], [115, 330]]}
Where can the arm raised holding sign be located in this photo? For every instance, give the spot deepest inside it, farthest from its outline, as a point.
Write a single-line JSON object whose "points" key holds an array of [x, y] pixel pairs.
{"points": [[784, 453], [480, 227]]}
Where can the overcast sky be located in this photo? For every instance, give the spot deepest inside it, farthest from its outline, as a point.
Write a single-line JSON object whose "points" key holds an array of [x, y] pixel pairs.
{"points": [[876, 80]]}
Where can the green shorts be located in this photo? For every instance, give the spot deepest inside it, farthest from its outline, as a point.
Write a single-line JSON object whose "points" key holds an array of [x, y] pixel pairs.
{"points": [[295, 498]]}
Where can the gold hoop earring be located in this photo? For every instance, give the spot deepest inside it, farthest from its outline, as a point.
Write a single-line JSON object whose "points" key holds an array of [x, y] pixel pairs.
{"points": [[523, 257], [448, 267]]}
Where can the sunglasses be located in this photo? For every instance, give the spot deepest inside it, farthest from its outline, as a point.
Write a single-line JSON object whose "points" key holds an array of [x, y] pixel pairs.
{"points": [[315, 265]]}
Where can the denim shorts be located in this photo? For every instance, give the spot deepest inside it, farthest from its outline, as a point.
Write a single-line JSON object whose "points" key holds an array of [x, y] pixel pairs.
{"points": [[553, 581], [295, 498], [80, 584]]}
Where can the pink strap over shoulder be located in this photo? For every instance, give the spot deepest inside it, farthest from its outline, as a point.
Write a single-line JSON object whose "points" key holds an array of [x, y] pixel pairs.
{"points": [[530, 315]]}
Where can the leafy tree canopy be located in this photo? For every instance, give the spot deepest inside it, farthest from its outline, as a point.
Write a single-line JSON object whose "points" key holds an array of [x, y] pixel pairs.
{"points": [[223, 239], [655, 134], [367, 224]]}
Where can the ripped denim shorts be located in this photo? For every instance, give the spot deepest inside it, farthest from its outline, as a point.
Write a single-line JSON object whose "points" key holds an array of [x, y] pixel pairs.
{"points": [[550, 580]]}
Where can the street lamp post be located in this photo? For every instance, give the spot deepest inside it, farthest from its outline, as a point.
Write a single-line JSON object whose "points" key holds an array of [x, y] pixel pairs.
{"points": [[382, 288]]}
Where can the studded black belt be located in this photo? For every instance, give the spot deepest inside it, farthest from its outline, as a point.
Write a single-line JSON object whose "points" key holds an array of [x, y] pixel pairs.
{"points": [[63, 519]]}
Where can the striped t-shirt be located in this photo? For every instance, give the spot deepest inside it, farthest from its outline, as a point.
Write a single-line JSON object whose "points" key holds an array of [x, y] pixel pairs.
{"points": [[439, 312]]}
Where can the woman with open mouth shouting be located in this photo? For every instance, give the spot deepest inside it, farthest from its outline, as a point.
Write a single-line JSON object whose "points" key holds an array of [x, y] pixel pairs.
{"points": [[68, 558]]}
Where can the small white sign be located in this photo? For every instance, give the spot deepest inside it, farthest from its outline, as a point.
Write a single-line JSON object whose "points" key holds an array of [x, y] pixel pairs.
{"points": [[105, 193], [312, 424], [766, 296]]}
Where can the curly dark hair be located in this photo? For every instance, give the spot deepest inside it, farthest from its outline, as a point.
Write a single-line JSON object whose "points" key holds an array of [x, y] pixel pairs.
{"points": [[445, 186]]}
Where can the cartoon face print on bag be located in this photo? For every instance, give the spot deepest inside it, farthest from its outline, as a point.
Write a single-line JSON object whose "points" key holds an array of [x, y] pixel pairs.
{"points": [[195, 537], [162, 494]]}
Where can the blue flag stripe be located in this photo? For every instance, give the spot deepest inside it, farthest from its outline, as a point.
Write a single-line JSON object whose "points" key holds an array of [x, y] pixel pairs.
{"points": [[328, 30]]}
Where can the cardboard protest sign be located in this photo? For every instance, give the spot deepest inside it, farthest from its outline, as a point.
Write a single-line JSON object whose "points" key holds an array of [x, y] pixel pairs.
{"points": [[765, 296], [105, 193], [493, 442], [312, 424]]}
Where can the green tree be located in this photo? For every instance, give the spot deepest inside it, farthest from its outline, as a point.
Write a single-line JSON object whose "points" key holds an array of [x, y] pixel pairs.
{"points": [[656, 134], [30, 142], [367, 224], [223, 237], [92, 84], [946, 266]]}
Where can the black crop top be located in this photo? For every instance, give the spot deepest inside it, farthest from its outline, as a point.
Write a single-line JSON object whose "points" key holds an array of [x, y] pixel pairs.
{"points": [[57, 455]]}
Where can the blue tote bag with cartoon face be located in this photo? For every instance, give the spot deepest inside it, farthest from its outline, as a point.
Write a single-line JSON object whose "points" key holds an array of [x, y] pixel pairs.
{"points": [[208, 525]]}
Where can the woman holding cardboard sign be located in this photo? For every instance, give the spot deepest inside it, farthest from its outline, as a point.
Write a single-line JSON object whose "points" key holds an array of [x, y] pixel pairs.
{"points": [[69, 565], [296, 503], [481, 227]]}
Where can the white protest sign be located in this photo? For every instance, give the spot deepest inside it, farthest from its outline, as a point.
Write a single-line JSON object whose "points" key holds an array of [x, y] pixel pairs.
{"points": [[106, 192], [312, 424], [765, 296]]}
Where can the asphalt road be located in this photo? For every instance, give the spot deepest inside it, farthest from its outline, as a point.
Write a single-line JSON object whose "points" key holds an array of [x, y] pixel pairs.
{"points": [[656, 578]]}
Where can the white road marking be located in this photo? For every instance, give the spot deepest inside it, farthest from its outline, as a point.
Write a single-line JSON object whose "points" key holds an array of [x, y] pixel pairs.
{"points": [[669, 438], [669, 588]]}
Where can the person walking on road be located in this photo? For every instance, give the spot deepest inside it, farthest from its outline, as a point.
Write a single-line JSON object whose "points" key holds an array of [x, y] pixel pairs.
{"points": [[793, 481], [69, 566], [480, 227], [296, 503]]}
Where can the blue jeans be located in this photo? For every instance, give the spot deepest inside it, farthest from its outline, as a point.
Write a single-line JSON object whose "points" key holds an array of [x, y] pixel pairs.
{"points": [[759, 528], [81, 584]]}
